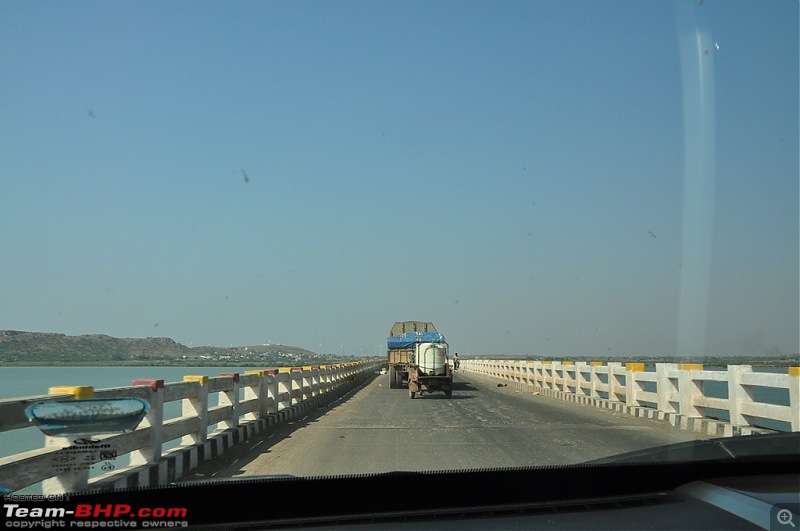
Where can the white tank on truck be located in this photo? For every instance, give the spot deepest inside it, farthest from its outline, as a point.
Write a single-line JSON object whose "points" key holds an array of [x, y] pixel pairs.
{"points": [[432, 359], [418, 358]]}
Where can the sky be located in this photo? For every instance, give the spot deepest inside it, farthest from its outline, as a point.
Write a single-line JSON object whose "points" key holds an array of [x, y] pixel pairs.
{"points": [[537, 178]]}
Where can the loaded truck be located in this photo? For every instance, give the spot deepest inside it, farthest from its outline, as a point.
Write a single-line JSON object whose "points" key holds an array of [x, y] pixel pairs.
{"points": [[418, 355]]}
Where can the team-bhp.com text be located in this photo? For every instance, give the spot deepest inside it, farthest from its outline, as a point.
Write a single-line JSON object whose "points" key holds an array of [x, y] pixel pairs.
{"points": [[118, 515]]}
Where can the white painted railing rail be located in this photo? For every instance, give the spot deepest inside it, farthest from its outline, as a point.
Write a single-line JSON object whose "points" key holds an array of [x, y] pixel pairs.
{"points": [[673, 391], [246, 404]]}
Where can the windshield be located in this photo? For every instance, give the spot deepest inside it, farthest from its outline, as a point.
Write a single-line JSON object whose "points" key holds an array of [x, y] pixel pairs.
{"points": [[292, 215]]}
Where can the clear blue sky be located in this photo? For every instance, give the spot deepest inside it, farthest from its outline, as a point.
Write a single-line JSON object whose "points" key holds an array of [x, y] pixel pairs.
{"points": [[511, 171]]}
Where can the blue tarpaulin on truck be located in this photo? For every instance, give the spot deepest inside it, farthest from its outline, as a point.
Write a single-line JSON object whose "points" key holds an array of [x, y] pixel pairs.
{"points": [[409, 339]]}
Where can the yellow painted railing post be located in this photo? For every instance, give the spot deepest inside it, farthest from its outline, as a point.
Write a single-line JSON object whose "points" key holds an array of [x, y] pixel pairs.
{"points": [[666, 387], [273, 394], [632, 386], [794, 396], [259, 392], [78, 392], [615, 389], [196, 406], [689, 389]]}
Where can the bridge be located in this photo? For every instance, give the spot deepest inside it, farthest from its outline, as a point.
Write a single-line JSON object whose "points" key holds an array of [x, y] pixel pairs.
{"points": [[344, 419]]}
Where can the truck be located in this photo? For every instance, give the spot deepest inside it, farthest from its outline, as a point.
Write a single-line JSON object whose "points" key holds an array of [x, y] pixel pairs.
{"points": [[417, 355]]}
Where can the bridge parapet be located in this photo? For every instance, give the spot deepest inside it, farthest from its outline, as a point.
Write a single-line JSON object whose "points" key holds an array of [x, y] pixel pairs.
{"points": [[677, 392], [246, 404]]}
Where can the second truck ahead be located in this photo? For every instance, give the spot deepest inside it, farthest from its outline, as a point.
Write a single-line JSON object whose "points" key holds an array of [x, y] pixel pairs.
{"points": [[419, 354]]}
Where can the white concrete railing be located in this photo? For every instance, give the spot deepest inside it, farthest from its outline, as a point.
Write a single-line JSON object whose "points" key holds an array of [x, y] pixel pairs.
{"points": [[247, 404], [673, 391]]}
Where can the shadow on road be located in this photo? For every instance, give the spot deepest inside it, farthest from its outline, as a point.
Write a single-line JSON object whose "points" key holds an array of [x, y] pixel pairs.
{"points": [[464, 386], [441, 396], [458, 388]]}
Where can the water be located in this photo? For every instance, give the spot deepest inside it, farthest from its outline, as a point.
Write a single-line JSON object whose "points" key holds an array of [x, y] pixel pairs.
{"points": [[28, 381]]}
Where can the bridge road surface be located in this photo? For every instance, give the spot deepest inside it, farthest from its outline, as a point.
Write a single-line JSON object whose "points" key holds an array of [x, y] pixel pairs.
{"points": [[376, 429]]}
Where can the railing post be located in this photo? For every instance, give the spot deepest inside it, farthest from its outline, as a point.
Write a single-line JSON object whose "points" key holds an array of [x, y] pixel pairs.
{"points": [[155, 420], [315, 380], [632, 386], [259, 392], [595, 379], [296, 385], [738, 393], [307, 382], [558, 376], [324, 380], [794, 396], [568, 380], [547, 374], [273, 392], [284, 387], [75, 474], [689, 389], [538, 373], [613, 381], [231, 398], [196, 406], [580, 367], [666, 388]]}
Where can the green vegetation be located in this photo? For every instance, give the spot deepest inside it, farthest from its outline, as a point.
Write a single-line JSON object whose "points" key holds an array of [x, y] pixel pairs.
{"points": [[44, 349]]}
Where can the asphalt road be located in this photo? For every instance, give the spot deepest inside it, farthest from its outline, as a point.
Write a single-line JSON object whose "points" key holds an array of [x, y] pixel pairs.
{"points": [[376, 429]]}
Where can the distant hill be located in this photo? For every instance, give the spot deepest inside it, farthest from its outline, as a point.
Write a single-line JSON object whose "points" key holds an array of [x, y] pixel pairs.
{"points": [[39, 348]]}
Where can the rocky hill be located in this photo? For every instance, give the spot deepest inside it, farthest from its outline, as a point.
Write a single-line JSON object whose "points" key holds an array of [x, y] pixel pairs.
{"points": [[38, 348]]}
